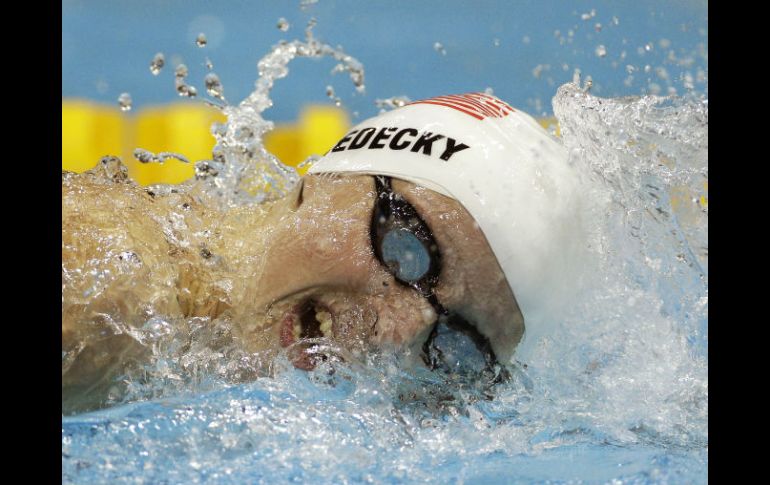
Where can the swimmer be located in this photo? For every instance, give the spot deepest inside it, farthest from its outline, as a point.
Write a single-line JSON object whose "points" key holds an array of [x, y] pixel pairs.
{"points": [[452, 209]]}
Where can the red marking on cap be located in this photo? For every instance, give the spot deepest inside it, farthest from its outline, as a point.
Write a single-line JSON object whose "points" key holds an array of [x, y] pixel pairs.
{"points": [[477, 105]]}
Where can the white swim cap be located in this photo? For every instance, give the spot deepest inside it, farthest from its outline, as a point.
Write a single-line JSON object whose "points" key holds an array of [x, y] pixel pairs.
{"points": [[501, 165]]}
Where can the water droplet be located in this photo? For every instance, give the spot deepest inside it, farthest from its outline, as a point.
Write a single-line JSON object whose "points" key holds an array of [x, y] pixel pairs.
{"points": [[647, 68], [648, 46], [305, 4], [538, 70], [399, 101], [283, 24], [489, 91], [393, 102], [357, 76], [496, 42], [207, 64], [157, 63], [601, 51], [124, 101], [525, 39], [576, 76], [630, 69], [182, 88], [688, 81], [615, 21], [186, 90], [309, 29], [201, 41], [330, 95], [144, 156], [589, 15], [214, 86], [598, 27], [439, 47]]}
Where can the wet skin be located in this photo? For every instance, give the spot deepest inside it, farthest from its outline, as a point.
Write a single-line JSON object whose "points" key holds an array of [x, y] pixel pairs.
{"points": [[297, 268]]}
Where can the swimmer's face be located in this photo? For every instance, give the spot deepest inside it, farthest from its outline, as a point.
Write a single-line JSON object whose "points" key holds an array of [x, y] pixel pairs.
{"points": [[321, 276]]}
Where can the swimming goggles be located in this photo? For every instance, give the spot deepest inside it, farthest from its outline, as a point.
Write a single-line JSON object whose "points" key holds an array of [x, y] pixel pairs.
{"points": [[405, 245]]}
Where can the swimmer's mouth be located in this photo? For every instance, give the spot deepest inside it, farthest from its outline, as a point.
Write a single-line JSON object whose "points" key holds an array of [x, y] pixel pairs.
{"points": [[301, 327]]}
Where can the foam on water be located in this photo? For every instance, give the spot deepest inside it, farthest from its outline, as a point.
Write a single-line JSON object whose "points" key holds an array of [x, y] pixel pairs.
{"points": [[615, 390]]}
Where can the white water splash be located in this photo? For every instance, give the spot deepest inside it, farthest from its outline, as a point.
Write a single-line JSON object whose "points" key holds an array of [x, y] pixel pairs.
{"points": [[629, 359], [245, 171]]}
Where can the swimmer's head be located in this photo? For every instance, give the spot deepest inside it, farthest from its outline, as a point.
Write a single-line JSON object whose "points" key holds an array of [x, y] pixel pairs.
{"points": [[501, 167], [457, 207]]}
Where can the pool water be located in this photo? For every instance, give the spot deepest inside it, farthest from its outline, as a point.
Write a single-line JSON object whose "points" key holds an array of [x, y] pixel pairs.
{"points": [[614, 391]]}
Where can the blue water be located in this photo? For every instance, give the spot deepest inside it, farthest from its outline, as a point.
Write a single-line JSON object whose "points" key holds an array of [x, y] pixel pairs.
{"points": [[304, 429]]}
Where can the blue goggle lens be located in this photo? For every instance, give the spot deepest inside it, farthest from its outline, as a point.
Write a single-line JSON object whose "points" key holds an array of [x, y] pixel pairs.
{"points": [[405, 255]]}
